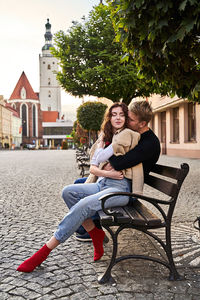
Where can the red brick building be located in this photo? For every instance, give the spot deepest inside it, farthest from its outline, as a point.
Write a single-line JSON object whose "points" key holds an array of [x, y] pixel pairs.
{"points": [[27, 104]]}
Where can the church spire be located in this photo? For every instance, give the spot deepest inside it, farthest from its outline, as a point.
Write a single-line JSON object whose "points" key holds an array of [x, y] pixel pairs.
{"points": [[48, 36]]}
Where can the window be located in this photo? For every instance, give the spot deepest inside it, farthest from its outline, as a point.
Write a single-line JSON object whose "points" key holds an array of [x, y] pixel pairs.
{"points": [[191, 122], [24, 120], [34, 121], [49, 108], [163, 127], [49, 81], [49, 67], [176, 125], [49, 94], [44, 62], [57, 130]]}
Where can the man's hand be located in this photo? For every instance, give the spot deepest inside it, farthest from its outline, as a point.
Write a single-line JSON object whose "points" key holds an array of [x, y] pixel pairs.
{"points": [[115, 174], [108, 167]]}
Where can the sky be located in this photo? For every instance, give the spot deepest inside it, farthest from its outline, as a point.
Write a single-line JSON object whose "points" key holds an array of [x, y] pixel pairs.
{"points": [[22, 29]]}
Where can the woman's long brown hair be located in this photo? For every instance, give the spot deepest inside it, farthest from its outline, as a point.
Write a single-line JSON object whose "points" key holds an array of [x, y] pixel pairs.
{"points": [[106, 126]]}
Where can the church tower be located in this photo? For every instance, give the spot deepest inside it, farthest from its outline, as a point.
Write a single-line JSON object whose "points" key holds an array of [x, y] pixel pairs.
{"points": [[50, 94]]}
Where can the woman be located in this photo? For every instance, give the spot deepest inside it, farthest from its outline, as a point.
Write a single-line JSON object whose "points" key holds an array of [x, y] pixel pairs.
{"points": [[82, 199]]}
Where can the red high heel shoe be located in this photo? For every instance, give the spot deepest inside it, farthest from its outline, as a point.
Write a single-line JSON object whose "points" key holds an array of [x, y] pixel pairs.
{"points": [[35, 260], [97, 236]]}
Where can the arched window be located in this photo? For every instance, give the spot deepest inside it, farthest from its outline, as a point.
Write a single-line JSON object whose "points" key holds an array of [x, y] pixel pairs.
{"points": [[49, 94], [24, 120], [49, 67], [34, 120]]}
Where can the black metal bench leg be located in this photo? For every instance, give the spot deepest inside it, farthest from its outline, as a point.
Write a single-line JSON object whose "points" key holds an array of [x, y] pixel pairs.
{"points": [[174, 275], [106, 277]]}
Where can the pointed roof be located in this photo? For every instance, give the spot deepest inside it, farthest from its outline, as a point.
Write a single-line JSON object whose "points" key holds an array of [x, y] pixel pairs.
{"points": [[23, 83]]}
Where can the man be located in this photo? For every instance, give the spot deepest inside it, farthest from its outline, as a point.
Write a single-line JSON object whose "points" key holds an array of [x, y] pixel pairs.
{"points": [[146, 152]]}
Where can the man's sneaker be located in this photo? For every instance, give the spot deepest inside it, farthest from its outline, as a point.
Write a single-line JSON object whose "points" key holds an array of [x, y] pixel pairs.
{"points": [[83, 237], [86, 238]]}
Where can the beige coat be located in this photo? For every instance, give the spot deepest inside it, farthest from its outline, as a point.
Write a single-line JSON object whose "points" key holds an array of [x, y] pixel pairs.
{"points": [[122, 142]]}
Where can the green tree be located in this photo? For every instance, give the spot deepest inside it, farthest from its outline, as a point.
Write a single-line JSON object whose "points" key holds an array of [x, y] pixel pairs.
{"points": [[90, 61], [164, 38], [90, 116]]}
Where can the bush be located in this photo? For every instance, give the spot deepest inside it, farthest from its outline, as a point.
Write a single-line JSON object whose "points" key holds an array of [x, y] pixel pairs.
{"points": [[65, 145]]}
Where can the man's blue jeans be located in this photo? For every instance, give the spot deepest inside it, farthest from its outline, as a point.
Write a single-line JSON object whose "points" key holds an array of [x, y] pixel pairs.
{"points": [[83, 202]]}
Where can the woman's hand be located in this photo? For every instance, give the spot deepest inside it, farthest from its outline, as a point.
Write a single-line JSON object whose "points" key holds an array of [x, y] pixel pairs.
{"points": [[112, 173], [100, 143]]}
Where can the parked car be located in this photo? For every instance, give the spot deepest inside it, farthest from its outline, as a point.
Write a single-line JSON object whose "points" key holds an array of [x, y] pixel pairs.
{"points": [[30, 146]]}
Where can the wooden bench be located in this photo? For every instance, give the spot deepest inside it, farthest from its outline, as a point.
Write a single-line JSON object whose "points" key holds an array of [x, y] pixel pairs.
{"points": [[83, 161], [138, 216]]}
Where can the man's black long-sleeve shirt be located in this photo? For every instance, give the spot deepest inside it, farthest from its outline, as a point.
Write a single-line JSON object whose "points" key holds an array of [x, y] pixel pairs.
{"points": [[146, 152]]}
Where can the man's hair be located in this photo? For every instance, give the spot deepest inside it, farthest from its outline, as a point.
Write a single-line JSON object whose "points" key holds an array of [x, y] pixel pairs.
{"points": [[142, 109]]}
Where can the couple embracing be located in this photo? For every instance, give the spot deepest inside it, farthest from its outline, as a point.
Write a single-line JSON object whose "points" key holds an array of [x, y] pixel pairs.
{"points": [[132, 149]]}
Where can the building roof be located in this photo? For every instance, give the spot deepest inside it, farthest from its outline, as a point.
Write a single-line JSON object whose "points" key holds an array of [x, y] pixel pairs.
{"points": [[49, 116], [14, 112], [23, 83]]}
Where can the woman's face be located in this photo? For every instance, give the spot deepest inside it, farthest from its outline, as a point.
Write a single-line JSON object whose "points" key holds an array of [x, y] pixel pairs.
{"points": [[117, 118]]}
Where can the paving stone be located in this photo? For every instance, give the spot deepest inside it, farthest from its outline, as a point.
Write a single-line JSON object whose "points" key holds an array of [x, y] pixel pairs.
{"points": [[143, 296], [182, 296], [15, 297], [125, 296], [23, 292], [79, 296], [6, 287], [164, 296], [92, 292], [78, 288], [106, 289], [63, 292], [107, 297], [48, 297]]}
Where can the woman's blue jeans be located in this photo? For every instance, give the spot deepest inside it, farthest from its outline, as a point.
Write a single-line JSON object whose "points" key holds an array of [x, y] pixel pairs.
{"points": [[83, 202], [81, 230]]}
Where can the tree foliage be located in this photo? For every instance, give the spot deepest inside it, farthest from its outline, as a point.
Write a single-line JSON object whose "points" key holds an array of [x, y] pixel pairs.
{"points": [[164, 38], [90, 61], [90, 115]]}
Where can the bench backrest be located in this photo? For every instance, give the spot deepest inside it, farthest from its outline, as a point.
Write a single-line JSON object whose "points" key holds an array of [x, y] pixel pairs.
{"points": [[166, 186]]}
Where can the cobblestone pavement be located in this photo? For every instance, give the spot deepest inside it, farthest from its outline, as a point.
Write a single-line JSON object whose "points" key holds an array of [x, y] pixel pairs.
{"points": [[30, 209]]}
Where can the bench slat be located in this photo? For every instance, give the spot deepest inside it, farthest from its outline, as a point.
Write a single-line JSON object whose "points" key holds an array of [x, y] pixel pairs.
{"points": [[166, 171], [162, 185], [147, 214], [138, 214]]}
